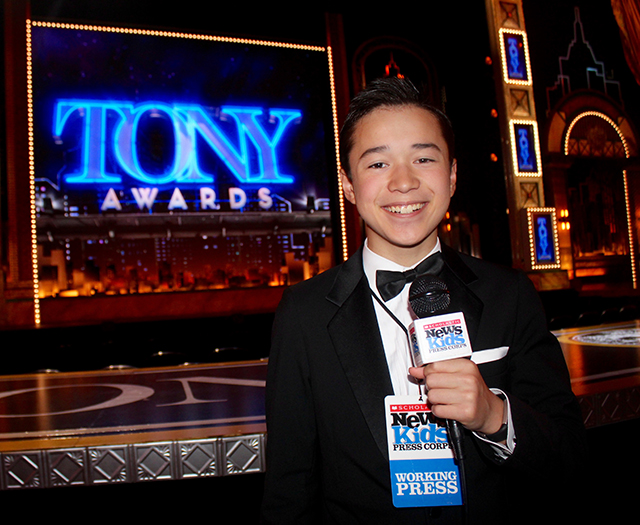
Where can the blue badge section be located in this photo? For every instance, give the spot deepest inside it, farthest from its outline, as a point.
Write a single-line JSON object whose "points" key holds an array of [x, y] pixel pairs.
{"points": [[421, 464], [425, 483]]}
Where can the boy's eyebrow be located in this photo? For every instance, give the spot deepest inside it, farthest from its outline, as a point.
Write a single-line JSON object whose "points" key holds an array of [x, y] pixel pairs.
{"points": [[417, 146], [371, 151], [427, 145]]}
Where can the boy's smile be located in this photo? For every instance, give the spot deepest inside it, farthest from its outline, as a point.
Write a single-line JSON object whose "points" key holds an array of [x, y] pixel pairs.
{"points": [[401, 181]]}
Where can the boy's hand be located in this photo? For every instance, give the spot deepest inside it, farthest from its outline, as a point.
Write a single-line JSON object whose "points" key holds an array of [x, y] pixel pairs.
{"points": [[456, 390]]}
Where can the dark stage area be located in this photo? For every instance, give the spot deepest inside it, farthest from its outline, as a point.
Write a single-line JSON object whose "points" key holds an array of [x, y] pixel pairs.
{"points": [[140, 344]]}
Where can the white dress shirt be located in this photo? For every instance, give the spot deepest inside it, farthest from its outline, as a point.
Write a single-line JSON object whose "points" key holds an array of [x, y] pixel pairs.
{"points": [[394, 338]]}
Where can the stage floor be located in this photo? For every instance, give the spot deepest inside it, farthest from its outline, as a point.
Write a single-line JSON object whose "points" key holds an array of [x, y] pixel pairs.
{"points": [[604, 365], [200, 421], [116, 426]]}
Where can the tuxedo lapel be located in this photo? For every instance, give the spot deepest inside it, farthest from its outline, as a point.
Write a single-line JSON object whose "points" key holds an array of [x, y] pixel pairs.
{"points": [[356, 339]]}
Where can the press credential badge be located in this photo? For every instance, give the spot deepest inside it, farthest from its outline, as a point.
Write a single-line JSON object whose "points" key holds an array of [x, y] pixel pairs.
{"points": [[423, 470]]}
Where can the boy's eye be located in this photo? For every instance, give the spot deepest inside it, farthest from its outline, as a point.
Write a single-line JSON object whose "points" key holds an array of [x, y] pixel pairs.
{"points": [[424, 160], [377, 165]]}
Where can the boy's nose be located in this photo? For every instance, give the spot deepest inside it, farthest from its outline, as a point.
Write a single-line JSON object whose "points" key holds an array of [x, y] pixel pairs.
{"points": [[403, 180]]}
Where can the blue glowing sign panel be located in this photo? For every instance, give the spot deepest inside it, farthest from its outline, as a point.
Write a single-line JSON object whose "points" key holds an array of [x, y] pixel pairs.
{"points": [[543, 229], [515, 56], [525, 146], [138, 123]]}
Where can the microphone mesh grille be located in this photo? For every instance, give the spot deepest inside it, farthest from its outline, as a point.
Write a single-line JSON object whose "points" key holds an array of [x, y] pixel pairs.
{"points": [[428, 294]]}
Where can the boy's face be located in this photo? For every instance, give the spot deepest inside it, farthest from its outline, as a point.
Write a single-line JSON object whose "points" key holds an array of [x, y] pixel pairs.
{"points": [[401, 181]]}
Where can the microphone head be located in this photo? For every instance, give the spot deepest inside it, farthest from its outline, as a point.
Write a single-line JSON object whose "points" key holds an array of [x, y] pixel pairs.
{"points": [[428, 294]]}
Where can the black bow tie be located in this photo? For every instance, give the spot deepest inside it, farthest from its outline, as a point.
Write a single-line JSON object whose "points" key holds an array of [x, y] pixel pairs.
{"points": [[390, 284]]}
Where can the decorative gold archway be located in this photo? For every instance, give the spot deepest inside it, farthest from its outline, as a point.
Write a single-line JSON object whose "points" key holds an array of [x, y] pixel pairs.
{"points": [[588, 125], [583, 104]]}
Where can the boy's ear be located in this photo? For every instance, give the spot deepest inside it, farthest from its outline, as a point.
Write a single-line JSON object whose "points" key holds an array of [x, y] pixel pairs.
{"points": [[453, 178], [347, 187]]}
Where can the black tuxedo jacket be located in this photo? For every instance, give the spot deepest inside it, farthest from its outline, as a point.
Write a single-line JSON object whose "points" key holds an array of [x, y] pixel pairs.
{"points": [[327, 459]]}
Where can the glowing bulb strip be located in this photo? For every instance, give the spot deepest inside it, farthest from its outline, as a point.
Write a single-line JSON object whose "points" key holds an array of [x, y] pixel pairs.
{"points": [[604, 117], [532, 243], [632, 251], [514, 148], [505, 58], [336, 137], [32, 186], [175, 34]]}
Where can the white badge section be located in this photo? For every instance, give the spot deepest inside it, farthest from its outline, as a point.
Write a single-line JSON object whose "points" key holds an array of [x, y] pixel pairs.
{"points": [[421, 463], [439, 337]]}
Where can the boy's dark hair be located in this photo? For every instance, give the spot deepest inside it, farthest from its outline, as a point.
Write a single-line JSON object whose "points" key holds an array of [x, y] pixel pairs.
{"points": [[388, 92]]}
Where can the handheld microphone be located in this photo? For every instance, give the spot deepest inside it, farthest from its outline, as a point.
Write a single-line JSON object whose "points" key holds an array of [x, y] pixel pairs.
{"points": [[437, 337]]}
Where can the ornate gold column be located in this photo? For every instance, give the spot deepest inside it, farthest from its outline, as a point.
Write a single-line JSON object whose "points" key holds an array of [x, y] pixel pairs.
{"points": [[534, 232]]}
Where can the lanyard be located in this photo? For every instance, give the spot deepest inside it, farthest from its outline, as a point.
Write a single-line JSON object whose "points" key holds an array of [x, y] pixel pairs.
{"points": [[404, 329]]}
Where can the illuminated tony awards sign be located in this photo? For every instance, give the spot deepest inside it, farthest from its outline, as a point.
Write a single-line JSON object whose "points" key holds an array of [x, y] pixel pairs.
{"points": [[515, 57], [543, 238], [110, 142], [525, 148], [172, 161]]}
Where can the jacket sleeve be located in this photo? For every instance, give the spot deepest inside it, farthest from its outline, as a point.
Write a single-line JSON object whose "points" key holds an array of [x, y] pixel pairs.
{"points": [[291, 483], [549, 431]]}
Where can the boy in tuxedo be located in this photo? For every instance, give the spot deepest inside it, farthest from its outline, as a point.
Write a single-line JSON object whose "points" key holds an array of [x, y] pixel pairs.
{"points": [[339, 346]]}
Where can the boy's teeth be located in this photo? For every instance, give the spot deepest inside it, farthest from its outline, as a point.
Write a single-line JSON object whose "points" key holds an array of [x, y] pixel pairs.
{"points": [[405, 208]]}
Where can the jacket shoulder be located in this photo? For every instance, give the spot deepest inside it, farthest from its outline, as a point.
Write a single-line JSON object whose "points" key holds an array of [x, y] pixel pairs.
{"points": [[482, 267], [335, 284], [318, 285]]}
